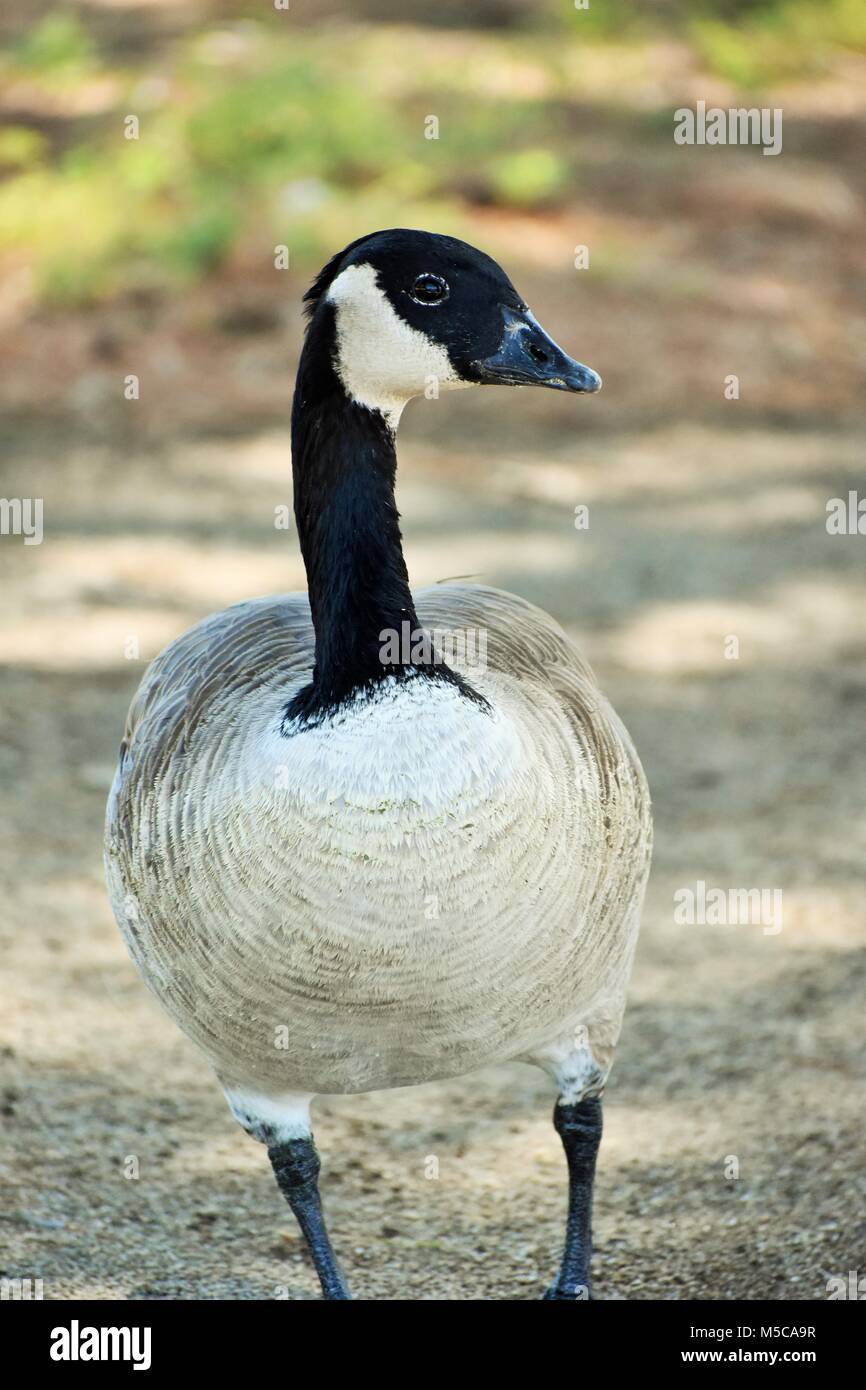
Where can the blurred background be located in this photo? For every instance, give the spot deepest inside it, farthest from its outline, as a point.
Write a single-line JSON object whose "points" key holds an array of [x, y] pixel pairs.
{"points": [[154, 257]]}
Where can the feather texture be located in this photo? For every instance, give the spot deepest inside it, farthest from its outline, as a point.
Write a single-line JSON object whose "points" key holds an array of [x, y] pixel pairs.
{"points": [[423, 885]]}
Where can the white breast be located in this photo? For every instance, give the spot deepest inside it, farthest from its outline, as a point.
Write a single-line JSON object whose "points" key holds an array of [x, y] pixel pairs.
{"points": [[413, 754]]}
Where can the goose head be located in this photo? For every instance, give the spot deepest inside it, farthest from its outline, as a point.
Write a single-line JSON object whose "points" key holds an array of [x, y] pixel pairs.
{"points": [[411, 313]]}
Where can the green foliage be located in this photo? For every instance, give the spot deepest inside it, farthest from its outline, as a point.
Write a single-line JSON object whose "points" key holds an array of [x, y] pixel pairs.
{"points": [[58, 45], [751, 43], [601, 20], [213, 153], [779, 42], [20, 147], [529, 178], [259, 133], [252, 137]]}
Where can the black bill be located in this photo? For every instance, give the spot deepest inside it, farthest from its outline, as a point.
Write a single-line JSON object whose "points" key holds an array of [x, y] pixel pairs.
{"points": [[528, 357]]}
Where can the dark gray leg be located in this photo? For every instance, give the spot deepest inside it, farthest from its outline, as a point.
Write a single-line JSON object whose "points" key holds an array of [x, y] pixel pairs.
{"points": [[579, 1128], [296, 1167]]}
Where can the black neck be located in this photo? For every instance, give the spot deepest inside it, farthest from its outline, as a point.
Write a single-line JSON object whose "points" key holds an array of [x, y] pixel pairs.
{"points": [[344, 464]]}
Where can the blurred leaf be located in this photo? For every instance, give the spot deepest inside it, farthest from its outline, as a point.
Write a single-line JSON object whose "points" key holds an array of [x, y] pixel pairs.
{"points": [[21, 147], [58, 43], [529, 177]]}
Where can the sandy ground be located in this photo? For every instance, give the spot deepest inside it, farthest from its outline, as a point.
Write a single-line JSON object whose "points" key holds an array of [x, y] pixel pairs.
{"points": [[737, 1043]]}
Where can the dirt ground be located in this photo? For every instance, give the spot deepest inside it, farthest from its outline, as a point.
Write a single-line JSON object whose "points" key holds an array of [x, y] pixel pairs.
{"points": [[737, 1043], [742, 1050]]}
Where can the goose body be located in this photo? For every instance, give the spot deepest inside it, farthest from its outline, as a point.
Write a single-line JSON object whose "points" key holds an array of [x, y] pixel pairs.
{"points": [[340, 874], [414, 890]]}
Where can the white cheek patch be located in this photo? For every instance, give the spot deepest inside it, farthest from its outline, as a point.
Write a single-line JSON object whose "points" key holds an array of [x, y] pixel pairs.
{"points": [[381, 360]]}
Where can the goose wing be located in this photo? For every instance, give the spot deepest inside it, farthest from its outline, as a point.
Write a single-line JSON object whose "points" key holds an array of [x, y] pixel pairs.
{"points": [[230, 654], [521, 639]]}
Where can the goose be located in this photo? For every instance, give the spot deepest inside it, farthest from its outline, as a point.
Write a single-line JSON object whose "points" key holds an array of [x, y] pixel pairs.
{"points": [[342, 862]]}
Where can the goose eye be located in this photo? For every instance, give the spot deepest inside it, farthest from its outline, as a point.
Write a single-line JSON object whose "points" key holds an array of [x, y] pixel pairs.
{"points": [[429, 289]]}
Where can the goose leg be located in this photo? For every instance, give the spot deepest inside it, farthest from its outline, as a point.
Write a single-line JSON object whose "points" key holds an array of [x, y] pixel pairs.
{"points": [[296, 1167], [579, 1127]]}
